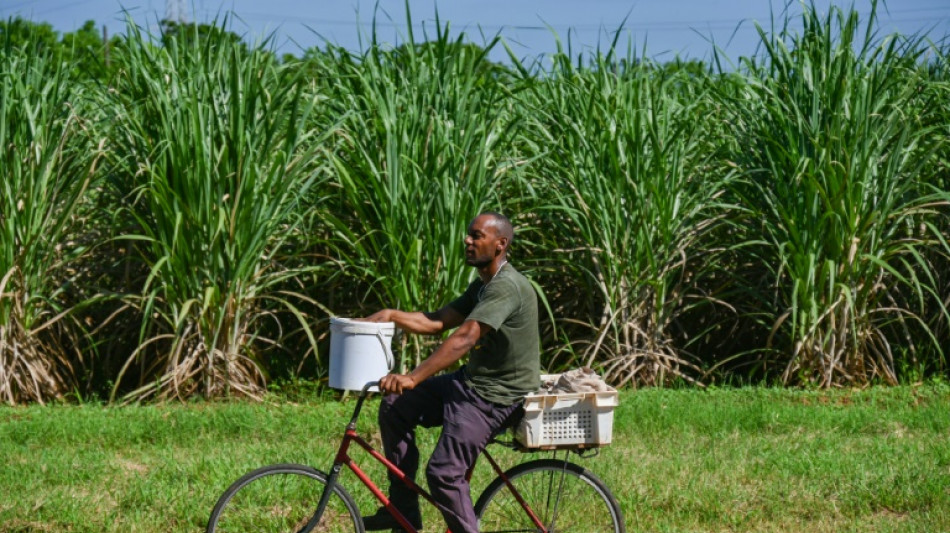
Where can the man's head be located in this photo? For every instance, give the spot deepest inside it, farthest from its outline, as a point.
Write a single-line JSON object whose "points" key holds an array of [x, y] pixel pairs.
{"points": [[488, 238]]}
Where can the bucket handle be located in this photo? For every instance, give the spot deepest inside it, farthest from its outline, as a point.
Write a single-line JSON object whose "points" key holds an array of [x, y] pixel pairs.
{"points": [[386, 348]]}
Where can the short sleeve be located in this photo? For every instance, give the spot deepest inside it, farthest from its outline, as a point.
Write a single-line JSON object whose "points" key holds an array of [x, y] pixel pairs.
{"points": [[465, 303], [496, 304]]}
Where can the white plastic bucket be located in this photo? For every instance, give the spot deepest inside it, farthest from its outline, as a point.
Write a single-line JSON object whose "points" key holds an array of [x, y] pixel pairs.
{"points": [[360, 352]]}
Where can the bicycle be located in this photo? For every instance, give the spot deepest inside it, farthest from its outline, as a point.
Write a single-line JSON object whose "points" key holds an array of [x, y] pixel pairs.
{"points": [[540, 495]]}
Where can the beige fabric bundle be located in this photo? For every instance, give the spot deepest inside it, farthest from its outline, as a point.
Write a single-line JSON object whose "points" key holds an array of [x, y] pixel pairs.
{"points": [[577, 380]]}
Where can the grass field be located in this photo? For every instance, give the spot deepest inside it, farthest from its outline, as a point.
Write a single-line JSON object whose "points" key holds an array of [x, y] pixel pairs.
{"points": [[753, 459]]}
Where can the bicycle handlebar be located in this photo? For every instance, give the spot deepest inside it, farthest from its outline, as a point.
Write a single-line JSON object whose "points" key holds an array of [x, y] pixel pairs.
{"points": [[369, 385], [359, 402]]}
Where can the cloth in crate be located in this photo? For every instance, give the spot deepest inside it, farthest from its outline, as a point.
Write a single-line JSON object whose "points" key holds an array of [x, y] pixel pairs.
{"points": [[578, 380]]}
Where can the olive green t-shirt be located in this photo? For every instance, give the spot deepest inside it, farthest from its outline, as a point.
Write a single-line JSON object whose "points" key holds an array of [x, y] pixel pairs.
{"points": [[505, 364]]}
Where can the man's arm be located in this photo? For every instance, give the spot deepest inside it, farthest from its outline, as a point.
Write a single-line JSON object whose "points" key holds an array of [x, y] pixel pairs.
{"points": [[455, 346], [424, 323]]}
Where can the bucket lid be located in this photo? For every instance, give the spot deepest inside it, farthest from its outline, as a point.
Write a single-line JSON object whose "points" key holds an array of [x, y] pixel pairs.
{"points": [[361, 327]]}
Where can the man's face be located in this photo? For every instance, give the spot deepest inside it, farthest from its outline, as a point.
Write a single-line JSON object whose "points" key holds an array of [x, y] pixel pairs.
{"points": [[482, 243]]}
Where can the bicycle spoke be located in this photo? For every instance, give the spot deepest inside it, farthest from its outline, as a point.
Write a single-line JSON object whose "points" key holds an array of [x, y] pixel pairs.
{"points": [[282, 499], [563, 496]]}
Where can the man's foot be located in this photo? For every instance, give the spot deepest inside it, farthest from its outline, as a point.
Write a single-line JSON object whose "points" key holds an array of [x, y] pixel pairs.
{"points": [[382, 520]]}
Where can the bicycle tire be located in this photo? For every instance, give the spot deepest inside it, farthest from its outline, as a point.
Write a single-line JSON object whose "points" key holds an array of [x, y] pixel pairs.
{"points": [[566, 498], [281, 498]]}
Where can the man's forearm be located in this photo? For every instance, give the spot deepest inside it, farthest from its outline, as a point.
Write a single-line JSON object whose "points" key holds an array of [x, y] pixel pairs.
{"points": [[450, 351], [411, 321]]}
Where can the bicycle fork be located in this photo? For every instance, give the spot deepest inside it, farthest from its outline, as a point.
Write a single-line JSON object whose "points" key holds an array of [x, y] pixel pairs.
{"points": [[328, 489], [338, 462]]}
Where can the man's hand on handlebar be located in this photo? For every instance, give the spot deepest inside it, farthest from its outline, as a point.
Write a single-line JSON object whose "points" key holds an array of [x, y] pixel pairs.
{"points": [[396, 384]]}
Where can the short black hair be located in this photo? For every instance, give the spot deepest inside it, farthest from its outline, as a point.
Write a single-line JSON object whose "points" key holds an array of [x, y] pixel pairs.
{"points": [[502, 225]]}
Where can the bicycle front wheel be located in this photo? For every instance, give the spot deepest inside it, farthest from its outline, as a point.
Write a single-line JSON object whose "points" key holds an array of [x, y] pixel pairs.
{"points": [[281, 499], [563, 496]]}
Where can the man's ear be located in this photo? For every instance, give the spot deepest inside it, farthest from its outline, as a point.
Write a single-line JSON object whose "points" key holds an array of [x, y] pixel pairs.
{"points": [[502, 244]]}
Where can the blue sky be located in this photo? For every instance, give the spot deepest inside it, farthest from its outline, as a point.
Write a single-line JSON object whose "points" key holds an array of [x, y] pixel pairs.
{"points": [[665, 28]]}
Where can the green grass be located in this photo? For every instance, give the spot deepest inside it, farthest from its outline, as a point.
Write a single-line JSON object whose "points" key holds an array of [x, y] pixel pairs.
{"points": [[682, 460], [639, 203], [212, 163], [47, 164], [839, 194]]}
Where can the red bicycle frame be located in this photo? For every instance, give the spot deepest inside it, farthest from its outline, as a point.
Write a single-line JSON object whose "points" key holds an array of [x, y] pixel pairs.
{"points": [[343, 459]]}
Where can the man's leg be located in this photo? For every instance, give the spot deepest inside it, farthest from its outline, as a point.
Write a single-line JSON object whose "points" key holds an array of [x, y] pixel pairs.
{"points": [[399, 415], [469, 423]]}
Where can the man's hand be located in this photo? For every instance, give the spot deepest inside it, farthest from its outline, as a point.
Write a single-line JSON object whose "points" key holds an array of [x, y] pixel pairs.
{"points": [[386, 315], [396, 384]]}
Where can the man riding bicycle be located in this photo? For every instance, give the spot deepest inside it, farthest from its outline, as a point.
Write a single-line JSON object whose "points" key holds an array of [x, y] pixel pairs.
{"points": [[497, 325]]}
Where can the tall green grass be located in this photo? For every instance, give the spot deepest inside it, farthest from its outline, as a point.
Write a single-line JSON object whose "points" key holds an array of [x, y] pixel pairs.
{"points": [[427, 130], [835, 144], [785, 220], [211, 165], [632, 197], [47, 165], [937, 89]]}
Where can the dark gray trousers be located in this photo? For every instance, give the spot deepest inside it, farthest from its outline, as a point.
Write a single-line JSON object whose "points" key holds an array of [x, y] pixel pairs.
{"points": [[468, 422]]}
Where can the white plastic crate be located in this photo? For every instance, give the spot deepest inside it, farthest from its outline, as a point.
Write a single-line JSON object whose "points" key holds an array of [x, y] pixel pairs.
{"points": [[567, 420]]}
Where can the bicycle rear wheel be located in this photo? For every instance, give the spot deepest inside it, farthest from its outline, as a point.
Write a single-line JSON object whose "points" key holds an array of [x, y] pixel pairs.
{"points": [[564, 496], [281, 499]]}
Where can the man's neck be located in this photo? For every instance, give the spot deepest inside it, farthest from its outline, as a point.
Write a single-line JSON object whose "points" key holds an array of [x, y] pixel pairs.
{"points": [[489, 271]]}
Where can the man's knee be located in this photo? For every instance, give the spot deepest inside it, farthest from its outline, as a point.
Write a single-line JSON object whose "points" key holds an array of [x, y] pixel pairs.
{"points": [[445, 473]]}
